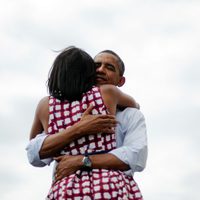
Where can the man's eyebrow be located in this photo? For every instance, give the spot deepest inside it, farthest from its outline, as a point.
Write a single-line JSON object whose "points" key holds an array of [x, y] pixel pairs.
{"points": [[110, 64]]}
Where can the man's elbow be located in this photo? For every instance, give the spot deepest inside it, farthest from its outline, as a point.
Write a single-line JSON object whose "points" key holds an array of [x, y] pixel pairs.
{"points": [[33, 160], [35, 163], [139, 168]]}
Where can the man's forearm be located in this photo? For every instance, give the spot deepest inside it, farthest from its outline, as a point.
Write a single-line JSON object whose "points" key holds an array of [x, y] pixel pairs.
{"points": [[89, 124], [68, 164], [108, 161], [53, 144]]}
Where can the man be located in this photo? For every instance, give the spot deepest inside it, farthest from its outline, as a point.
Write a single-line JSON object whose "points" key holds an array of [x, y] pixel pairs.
{"points": [[131, 154]]}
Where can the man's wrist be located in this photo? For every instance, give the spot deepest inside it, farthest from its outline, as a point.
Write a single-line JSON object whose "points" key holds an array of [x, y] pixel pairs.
{"points": [[79, 162], [75, 131], [87, 163]]}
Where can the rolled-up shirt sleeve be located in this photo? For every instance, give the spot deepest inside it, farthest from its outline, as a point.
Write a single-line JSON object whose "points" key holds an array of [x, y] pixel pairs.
{"points": [[131, 139], [33, 149]]}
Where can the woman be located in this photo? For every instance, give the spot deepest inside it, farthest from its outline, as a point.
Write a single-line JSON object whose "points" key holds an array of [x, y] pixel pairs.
{"points": [[71, 87]]}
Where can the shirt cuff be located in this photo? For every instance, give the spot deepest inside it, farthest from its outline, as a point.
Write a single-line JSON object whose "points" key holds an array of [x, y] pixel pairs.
{"points": [[33, 149]]}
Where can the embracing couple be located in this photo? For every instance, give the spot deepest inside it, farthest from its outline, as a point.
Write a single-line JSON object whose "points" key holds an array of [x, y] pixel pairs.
{"points": [[94, 133]]}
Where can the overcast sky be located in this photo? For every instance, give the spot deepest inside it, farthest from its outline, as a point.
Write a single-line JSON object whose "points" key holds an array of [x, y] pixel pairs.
{"points": [[159, 41]]}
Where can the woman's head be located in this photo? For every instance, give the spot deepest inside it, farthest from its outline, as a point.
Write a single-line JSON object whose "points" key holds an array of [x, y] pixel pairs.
{"points": [[71, 75]]}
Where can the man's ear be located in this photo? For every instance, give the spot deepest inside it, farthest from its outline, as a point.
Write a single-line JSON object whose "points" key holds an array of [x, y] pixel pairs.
{"points": [[121, 81]]}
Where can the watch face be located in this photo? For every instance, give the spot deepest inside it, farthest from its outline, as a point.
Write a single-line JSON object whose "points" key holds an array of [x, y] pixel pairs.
{"points": [[87, 162]]}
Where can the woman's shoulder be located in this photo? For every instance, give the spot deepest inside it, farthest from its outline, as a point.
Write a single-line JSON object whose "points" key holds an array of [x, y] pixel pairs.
{"points": [[42, 110], [43, 103], [44, 100], [108, 89]]}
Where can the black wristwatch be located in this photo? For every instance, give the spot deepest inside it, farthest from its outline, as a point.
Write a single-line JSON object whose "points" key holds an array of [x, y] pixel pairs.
{"points": [[87, 162]]}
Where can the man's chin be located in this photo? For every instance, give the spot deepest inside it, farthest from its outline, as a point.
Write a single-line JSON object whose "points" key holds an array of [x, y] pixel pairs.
{"points": [[101, 82]]}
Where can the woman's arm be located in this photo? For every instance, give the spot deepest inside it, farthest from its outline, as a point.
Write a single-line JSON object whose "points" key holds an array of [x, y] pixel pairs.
{"points": [[40, 122], [114, 97]]}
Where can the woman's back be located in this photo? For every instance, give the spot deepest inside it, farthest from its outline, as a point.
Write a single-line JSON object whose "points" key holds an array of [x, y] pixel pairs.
{"points": [[92, 183], [63, 114]]}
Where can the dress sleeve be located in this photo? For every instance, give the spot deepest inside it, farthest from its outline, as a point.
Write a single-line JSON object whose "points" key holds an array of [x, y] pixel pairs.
{"points": [[33, 149], [133, 149]]}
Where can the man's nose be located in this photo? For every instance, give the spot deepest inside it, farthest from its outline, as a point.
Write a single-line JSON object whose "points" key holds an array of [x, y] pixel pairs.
{"points": [[101, 69]]}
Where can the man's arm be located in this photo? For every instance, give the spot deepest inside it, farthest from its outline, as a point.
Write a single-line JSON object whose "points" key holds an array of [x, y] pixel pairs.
{"points": [[43, 146], [89, 124], [132, 139], [33, 148], [68, 164], [130, 154]]}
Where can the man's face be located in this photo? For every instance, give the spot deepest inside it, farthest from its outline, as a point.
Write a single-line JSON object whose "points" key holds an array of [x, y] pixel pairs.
{"points": [[107, 69]]}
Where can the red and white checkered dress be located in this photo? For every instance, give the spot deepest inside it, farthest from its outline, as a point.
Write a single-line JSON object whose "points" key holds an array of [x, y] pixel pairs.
{"points": [[97, 183]]}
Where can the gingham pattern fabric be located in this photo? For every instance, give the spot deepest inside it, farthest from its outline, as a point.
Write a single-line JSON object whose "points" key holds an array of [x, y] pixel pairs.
{"points": [[97, 183]]}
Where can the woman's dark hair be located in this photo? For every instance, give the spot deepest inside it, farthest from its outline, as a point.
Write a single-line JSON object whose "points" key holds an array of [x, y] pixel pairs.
{"points": [[72, 74]]}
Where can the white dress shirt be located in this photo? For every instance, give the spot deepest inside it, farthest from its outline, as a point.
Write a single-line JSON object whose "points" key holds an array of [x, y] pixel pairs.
{"points": [[131, 139]]}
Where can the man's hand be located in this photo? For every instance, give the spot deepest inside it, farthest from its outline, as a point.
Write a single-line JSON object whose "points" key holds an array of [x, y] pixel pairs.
{"points": [[67, 165], [91, 124]]}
